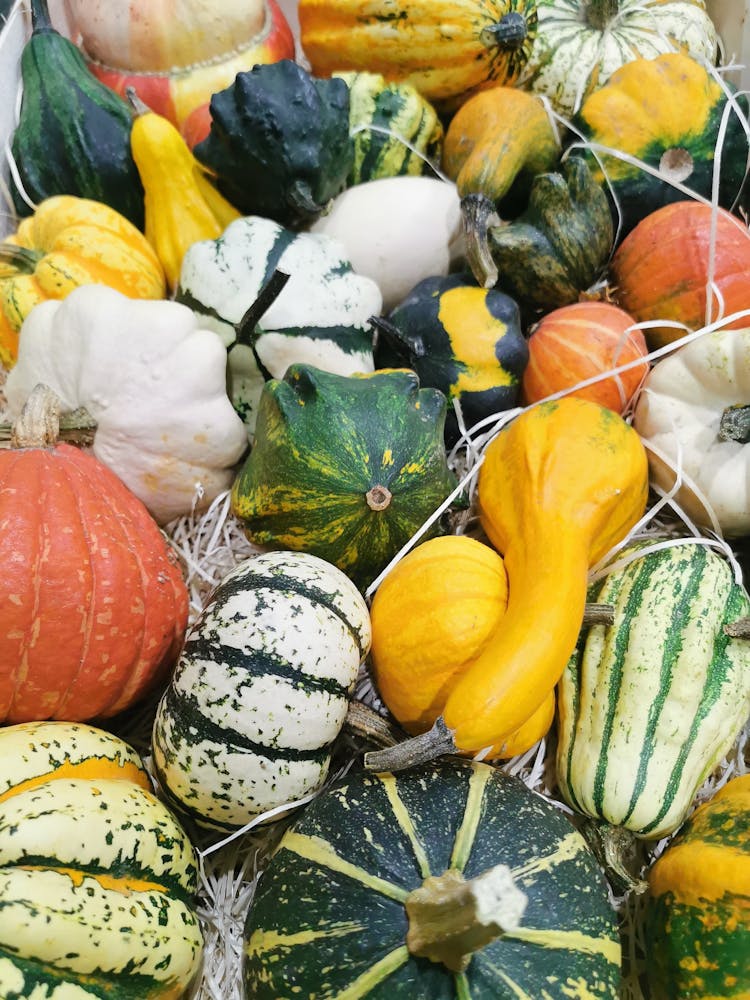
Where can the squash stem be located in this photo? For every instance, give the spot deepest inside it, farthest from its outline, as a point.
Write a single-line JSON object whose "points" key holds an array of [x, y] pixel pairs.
{"points": [[616, 850], [735, 424], [412, 752], [739, 629], [477, 215], [41, 22], [451, 917], [509, 33], [40, 424], [245, 329], [364, 723], [599, 13], [19, 258], [139, 108]]}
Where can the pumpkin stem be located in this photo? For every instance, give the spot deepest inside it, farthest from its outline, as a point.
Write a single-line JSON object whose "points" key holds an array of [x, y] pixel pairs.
{"points": [[599, 13], [412, 752], [451, 917], [40, 19], [40, 425], [615, 848], [477, 215], [509, 33], [19, 259], [735, 424]]}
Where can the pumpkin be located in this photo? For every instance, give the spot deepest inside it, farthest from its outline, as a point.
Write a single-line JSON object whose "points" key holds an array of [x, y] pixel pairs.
{"points": [[648, 706], [354, 499], [578, 342], [446, 50], [97, 878], [261, 690], [461, 339], [320, 317], [93, 607], [675, 134], [69, 242], [465, 884], [662, 269], [152, 381], [698, 935], [692, 417], [279, 142], [581, 43], [73, 133]]}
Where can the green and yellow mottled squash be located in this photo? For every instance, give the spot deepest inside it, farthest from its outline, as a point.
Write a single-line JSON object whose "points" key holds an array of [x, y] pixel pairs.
{"points": [[698, 916], [97, 878], [353, 498], [450, 881]]}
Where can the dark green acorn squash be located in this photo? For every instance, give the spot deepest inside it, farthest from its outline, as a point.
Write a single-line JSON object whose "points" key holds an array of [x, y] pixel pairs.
{"points": [[279, 142], [73, 133], [347, 904], [464, 340], [554, 250], [346, 468]]}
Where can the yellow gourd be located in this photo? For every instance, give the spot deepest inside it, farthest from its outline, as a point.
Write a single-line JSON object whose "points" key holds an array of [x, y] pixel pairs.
{"points": [[182, 205]]}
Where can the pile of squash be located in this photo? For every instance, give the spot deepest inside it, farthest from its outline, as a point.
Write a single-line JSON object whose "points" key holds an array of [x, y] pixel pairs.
{"points": [[453, 307]]}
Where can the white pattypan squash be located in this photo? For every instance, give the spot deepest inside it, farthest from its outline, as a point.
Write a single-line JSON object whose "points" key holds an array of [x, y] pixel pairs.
{"points": [[153, 381], [320, 318]]}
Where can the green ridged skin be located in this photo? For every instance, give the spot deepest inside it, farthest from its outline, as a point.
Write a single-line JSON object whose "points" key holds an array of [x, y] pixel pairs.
{"points": [[73, 133], [328, 919], [304, 488], [650, 705]]}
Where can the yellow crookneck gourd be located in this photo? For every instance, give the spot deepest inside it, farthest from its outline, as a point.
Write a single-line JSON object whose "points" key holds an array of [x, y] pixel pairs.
{"points": [[182, 205], [558, 488]]}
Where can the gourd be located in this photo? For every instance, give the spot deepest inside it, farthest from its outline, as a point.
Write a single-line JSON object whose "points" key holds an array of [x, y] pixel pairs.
{"points": [[679, 141], [692, 417], [553, 250], [153, 383], [97, 877], [662, 269], [444, 49], [279, 142], [68, 242], [321, 317], [698, 937], [461, 339], [465, 884], [354, 499], [578, 342], [261, 689], [93, 607], [580, 43], [73, 132], [182, 204], [649, 706]]}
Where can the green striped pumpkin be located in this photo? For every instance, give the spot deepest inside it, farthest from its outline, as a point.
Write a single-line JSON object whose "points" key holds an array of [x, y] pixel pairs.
{"points": [[261, 690], [649, 706], [392, 107], [329, 918], [96, 876]]}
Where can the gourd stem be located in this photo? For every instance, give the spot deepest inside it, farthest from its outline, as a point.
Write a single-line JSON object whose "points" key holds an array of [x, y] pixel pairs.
{"points": [[509, 33], [412, 752], [735, 424], [20, 258], [378, 497], [41, 425], [615, 848], [139, 108], [451, 917], [739, 629], [392, 334], [40, 19], [363, 722], [477, 215], [598, 614], [300, 200], [599, 13], [245, 330]]}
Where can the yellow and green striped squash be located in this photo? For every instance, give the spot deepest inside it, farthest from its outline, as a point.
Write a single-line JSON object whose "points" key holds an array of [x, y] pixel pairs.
{"points": [[96, 876]]}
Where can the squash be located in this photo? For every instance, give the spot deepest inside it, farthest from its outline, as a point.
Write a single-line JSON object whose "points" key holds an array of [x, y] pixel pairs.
{"points": [[580, 43], [692, 417], [69, 242], [279, 142], [93, 607], [73, 133], [698, 936], [554, 250], [353, 499], [444, 49], [321, 317], [261, 690], [650, 705], [464, 884], [578, 342], [461, 339], [152, 381], [675, 133], [497, 142], [395, 130], [662, 269], [182, 205], [97, 878]]}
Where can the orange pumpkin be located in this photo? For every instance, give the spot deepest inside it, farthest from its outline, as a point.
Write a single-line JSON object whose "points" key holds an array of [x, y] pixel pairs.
{"points": [[578, 342]]}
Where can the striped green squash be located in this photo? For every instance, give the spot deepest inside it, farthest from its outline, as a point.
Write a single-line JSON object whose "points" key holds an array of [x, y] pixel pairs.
{"points": [[344, 468], [338, 912], [261, 690], [649, 705], [97, 878], [377, 107]]}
